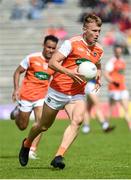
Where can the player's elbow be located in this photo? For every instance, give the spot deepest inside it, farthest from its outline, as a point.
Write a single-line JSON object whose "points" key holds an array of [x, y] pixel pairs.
{"points": [[22, 127], [52, 64]]}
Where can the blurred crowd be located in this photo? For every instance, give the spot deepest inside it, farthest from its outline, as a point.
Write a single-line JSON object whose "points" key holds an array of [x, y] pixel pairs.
{"points": [[33, 9], [118, 13], [110, 11]]}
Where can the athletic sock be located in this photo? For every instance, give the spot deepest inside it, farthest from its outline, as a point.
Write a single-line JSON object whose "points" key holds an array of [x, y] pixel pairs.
{"points": [[61, 151], [33, 148], [27, 143], [86, 128], [105, 125]]}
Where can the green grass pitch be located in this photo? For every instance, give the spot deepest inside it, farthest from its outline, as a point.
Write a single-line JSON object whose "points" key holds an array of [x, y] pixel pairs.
{"points": [[93, 156]]}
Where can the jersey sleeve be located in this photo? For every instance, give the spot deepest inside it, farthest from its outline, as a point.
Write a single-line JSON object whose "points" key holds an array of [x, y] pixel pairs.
{"points": [[100, 52], [25, 63], [101, 57], [65, 48]]}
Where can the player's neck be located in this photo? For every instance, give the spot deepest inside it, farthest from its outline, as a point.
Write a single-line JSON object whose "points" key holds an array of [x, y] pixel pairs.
{"points": [[87, 42], [42, 55]]}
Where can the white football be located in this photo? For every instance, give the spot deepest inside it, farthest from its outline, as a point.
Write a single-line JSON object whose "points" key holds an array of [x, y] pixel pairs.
{"points": [[88, 69]]}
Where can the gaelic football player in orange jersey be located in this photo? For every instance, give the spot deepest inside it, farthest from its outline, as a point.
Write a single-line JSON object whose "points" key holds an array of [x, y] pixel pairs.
{"points": [[115, 75], [30, 95], [66, 90]]}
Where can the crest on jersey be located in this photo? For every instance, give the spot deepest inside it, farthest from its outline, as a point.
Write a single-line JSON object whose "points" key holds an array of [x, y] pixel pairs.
{"points": [[121, 71], [42, 75], [95, 54]]}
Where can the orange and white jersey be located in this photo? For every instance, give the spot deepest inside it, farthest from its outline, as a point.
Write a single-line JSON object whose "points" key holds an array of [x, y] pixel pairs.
{"points": [[75, 51], [36, 81], [116, 68]]}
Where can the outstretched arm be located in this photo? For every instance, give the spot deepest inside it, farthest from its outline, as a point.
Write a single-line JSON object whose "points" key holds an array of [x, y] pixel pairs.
{"points": [[16, 79]]}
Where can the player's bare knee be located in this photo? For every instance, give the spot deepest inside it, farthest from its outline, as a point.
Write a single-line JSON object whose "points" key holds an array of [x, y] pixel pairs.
{"points": [[39, 127], [21, 123], [44, 128], [77, 122], [22, 126]]}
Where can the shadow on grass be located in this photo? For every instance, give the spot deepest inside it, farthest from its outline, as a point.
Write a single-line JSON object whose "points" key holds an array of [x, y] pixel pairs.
{"points": [[44, 167], [8, 157], [28, 168]]}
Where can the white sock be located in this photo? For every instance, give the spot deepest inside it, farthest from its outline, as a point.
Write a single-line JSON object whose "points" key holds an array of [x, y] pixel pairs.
{"points": [[105, 125], [86, 128], [33, 148]]}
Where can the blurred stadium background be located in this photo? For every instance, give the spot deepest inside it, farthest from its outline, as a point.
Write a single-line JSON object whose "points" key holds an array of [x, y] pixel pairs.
{"points": [[24, 23]]}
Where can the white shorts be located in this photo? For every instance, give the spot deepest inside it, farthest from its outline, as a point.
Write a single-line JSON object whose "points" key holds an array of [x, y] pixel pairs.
{"points": [[89, 88], [27, 106], [57, 100], [118, 95]]}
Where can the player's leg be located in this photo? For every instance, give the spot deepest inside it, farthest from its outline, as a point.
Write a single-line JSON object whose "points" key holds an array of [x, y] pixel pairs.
{"points": [[96, 103], [75, 110], [22, 120], [76, 115], [35, 143], [86, 123], [87, 118], [47, 119], [14, 112], [21, 114], [112, 104], [88, 89], [114, 98], [103, 121], [124, 103]]}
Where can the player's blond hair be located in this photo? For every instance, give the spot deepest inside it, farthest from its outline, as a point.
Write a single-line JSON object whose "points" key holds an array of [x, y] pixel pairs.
{"points": [[89, 18]]}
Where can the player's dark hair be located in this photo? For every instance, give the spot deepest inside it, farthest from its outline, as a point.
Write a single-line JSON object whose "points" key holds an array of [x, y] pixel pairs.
{"points": [[89, 18], [52, 38], [117, 47]]}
